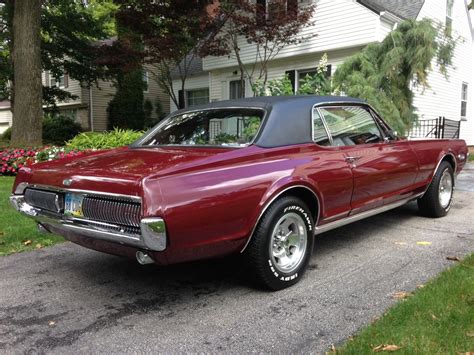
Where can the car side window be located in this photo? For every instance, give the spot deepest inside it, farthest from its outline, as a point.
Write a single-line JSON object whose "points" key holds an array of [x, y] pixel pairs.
{"points": [[320, 135], [351, 125]]}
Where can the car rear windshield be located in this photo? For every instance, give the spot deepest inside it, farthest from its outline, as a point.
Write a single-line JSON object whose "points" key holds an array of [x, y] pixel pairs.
{"points": [[217, 127]]}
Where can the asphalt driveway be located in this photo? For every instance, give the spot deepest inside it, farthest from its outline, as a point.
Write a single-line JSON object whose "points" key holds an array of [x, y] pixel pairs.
{"points": [[67, 299]]}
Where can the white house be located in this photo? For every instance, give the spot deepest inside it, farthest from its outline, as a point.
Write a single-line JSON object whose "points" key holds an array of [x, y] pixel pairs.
{"points": [[89, 108], [344, 27]]}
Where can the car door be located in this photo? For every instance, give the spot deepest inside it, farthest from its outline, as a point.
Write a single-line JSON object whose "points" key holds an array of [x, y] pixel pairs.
{"points": [[383, 170]]}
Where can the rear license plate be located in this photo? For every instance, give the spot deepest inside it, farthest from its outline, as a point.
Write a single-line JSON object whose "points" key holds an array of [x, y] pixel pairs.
{"points": [[73, 205]]}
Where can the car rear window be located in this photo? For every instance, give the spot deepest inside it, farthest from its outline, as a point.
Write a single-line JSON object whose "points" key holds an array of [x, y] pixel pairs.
{"points": [[216, 127]]}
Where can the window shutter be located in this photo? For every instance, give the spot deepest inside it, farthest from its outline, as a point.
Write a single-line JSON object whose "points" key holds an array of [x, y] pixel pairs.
{"points": [[261, 12], [66, 80], [181, 101], [292, 76], [328, 70], [292, 8]]}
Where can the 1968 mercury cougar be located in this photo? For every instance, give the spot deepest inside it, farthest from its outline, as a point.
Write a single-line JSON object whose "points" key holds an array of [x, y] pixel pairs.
{"points": [[257, 176]]}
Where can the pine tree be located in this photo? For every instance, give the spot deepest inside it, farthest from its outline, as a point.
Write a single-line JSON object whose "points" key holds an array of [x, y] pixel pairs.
{"points": [[384, 73]]}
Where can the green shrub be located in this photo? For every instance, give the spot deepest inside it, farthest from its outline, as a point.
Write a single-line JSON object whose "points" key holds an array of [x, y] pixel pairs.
{"points": [[106, 140], [58, 129], [148, 111]]}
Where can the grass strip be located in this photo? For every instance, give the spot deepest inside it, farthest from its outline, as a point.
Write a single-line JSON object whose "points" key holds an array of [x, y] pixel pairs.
{"points": [[436, 319], [18, 233]]}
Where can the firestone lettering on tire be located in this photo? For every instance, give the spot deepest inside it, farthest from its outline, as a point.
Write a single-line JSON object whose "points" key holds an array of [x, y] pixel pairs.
{"points": [[303, 212]]}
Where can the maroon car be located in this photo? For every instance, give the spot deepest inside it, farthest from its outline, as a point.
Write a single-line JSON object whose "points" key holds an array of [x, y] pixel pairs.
{"points": [[260, 177]]}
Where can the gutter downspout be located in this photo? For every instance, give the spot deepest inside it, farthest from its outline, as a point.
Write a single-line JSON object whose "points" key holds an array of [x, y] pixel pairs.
{"points": [[391, 18], [91, 110]]}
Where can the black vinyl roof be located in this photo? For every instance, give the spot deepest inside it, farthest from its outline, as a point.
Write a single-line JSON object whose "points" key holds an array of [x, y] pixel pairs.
{"points": [[288, 118]]}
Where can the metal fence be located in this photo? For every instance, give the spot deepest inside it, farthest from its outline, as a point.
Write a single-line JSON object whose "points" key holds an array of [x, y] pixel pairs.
{"points": [[440, 127]]}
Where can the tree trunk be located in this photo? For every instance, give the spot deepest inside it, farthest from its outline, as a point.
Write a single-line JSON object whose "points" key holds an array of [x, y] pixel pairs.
{"points": [[28, 110]]}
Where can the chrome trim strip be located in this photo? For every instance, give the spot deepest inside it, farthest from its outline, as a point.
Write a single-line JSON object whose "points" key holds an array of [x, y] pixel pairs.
{"points": [[23, 186], [436, 169], [362, 215], [268, 204], [323, 120]]}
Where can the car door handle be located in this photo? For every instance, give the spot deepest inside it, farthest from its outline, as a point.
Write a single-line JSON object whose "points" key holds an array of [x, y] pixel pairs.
{"points": [[352, 159]]}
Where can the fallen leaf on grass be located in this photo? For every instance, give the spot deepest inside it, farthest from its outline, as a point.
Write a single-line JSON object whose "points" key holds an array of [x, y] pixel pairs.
{"points": [[38, 246], [420, 286], [470, 334], [433, 317], [27, 242], [51, 323], [331, 351], [453, 258], [423, 243], [384, 347], [401, 295]]}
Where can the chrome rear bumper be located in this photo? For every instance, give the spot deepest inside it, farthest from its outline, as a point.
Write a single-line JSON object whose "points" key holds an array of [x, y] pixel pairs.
{"points": [[152, 230]]}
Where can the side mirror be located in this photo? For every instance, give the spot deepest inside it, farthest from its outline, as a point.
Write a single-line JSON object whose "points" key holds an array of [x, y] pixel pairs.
{"points": [[393, 135]]}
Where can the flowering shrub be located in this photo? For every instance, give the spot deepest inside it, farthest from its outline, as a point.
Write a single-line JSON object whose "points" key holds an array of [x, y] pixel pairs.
{"points": [[14, 159]]}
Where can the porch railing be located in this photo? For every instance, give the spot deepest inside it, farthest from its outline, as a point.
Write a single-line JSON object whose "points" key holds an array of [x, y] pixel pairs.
{"points": [[441, 128]]}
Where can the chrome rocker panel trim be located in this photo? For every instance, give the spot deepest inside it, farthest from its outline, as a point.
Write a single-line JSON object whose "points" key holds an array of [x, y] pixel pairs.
{"points": [[153, 230], [357, 217]]}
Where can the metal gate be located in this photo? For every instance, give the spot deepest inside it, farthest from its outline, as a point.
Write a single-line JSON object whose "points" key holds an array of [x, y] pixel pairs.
{"points": [[440, 128]]}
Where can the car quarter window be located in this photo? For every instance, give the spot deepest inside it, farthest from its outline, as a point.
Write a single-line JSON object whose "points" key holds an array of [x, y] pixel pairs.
{"points": [[351, 125], [320, 135]]}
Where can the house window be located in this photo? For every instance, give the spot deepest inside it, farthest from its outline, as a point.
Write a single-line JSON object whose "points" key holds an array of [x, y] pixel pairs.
{"points": [[236, 91], [197, 97], [146, 80], [268, 10], [449, 17], [60, 82], [297, 76], [464, 101]]}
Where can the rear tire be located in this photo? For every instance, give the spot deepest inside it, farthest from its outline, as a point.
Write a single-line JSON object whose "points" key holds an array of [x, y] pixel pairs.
{"points": [[281, 246], [436, 202]]}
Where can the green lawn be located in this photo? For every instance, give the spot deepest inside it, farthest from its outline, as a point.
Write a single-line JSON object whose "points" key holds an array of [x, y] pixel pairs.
{"points": [[18, 233], [437, 319]]}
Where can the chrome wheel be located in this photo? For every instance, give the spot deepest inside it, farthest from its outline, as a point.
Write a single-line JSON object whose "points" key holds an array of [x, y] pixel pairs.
{"points": [[445, 190], [288, 242]]}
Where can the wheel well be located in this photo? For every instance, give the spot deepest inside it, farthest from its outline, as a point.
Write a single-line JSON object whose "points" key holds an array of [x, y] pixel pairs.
{"points": [[450, 159], [308, 197]]}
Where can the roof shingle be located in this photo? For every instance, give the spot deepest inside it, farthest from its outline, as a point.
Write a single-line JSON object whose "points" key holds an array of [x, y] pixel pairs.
{"points": [[406, 9]]}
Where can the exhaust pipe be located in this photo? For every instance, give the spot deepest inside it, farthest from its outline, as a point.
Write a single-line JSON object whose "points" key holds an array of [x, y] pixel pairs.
{"points": [[144, 258], [42, 229]]}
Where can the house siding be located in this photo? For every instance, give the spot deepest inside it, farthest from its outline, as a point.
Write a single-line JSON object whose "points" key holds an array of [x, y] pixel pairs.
{"points": [[5, 119], [219, 82], [105, 91], [156, 93], [192, 83], [101, 94], [338, 24], [443, 96]]}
